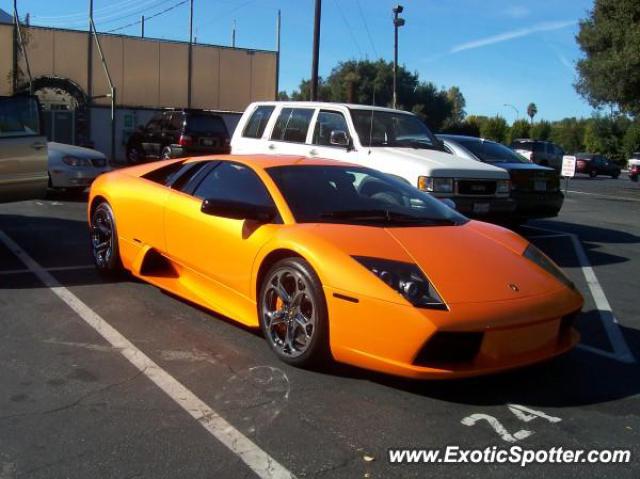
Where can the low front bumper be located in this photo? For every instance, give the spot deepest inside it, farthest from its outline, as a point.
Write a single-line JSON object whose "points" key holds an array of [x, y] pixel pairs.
{"points": [[75, 177], [389, 337], [538, 205], [479, 207]]}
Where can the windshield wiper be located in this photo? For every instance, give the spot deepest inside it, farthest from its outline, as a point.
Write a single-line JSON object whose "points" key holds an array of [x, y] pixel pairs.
{"points": [[385, 215]]}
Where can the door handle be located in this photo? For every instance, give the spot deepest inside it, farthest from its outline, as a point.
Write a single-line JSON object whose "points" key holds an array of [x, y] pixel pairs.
{"points": [[313, 152], [272, 146], [38, 146]]}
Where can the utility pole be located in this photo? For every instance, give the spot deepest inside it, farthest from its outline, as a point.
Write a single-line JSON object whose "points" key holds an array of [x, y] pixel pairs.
{"points": [[190, 54], [397, 23], [316, 51], [142, 26], [14, 76], [90, 57], [278, 27], [233, 34]]}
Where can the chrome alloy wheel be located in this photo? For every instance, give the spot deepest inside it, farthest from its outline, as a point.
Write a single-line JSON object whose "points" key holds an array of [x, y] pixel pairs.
{"points": [[289, 312], [102, 237]]}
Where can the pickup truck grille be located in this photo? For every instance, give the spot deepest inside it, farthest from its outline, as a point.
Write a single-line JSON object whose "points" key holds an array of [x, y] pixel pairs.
{"points": [[476, 187]]}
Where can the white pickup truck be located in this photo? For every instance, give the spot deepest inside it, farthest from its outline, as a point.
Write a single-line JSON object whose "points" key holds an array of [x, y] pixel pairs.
{"points": [[392, 141]]}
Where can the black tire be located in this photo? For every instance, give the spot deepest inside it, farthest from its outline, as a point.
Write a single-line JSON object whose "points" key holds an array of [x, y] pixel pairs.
{"points": [[634, 178], [615, 176], [166, 153], [103, 232], [593, 173], [135, 155], [302, 285]]}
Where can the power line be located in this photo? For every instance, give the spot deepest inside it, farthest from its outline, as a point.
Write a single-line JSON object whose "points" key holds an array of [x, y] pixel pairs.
{"points": [[147, 18], [134, 9], [83, 15], [344, 19], [227, 13], [366, 27]]}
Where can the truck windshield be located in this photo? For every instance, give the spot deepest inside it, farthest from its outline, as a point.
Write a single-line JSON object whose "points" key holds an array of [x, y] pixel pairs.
{"points": [[387, 128], [491, 152]]}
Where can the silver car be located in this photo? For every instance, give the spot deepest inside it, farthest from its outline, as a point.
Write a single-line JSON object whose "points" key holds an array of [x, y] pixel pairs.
{"points": [[23, 149], [74, 167]]}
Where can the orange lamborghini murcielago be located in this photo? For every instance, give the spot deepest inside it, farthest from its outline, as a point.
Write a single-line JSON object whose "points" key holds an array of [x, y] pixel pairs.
{"points": [[335, 261]]}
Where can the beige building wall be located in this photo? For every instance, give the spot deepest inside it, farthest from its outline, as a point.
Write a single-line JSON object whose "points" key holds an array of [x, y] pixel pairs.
{"points": [[147, 72], [6, 58]]}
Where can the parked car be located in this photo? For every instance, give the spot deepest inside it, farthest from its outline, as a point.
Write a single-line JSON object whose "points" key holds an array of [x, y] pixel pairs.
{"points": [[543, 153], [335, 262], [535, 188], [179, 133], [74, 167], [594, 164], [23, 149], [395, 142], [634, 166]]}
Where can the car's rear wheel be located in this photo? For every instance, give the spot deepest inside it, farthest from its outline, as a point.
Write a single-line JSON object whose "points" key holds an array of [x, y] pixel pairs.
{"points": [[293, 313], [593, 173], [104, 239], [134, 155]]}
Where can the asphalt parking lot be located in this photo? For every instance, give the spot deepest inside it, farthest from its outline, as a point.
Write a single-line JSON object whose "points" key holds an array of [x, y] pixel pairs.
{"points": [[73, 406]]}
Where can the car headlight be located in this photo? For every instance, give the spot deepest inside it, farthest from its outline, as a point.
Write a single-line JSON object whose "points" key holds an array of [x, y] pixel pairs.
{"points": [[503, 186], [75, 161], [406, 279], [538, 257], [435, 185]]}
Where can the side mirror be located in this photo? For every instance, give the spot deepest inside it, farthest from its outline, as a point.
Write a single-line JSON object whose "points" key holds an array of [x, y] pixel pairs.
{"points": [[339, 138], [238, 210]]}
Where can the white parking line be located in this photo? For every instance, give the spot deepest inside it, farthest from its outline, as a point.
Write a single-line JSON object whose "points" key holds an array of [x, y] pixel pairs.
{"points": [[619, 198], [611, 325], [252, 455]]}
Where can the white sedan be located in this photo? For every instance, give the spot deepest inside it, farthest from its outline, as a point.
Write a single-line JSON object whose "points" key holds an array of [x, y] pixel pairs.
{"points": [[74, 167]]}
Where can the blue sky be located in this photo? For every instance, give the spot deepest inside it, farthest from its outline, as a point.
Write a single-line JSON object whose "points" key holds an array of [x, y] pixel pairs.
{"points": [[496, 51]]}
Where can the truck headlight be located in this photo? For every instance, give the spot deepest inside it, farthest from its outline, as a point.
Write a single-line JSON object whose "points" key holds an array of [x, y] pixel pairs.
{"points": [[75, 161], [435, 185], [406, 279], [503, 186]]}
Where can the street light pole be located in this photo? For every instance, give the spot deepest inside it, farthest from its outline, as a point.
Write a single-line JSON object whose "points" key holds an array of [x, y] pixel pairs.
{"points": [[397, 23], [514, 109], [316, 51]]}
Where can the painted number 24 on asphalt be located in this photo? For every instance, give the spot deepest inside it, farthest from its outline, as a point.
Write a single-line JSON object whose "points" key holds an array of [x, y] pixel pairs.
{"points": [[523, 413]]}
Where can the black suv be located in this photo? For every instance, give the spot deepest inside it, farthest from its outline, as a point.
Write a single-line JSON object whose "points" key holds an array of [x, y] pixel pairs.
{"points": [[541, 152], [179, 133]]}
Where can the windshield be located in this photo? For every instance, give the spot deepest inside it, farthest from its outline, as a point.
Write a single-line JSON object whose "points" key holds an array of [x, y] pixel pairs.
{"points": [[385, 128], [203, 124], [491, 152], [341, 194], [528, 146]]}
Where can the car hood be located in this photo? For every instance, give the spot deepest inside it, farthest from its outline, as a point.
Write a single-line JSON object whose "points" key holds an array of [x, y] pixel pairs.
{"points": [[437, 163], [473, 263], [79, 151]]}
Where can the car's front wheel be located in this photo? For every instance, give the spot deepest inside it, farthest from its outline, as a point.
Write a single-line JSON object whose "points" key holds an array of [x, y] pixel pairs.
{"points": [[293, 313], [166, 153], [104, 239], [135, 155]]}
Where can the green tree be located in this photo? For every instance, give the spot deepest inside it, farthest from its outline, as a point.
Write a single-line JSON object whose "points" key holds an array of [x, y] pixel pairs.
{"points": [[495, 129], [519, 129], [532, 110], [569, 134], [370, 83], [609, 74], [631, 140], [458, 103], [541, 130]]}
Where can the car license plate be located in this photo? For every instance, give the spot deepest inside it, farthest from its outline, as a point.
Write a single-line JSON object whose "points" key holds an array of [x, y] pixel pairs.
{"points": [[540, 186], [481, 208], [207, 142]]}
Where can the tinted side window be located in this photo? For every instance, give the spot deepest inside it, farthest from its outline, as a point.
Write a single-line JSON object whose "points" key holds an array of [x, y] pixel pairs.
{"points": [[181, 179], [176, 121], [19, 116], [233, 182], [327, 122], [258, 122], [155, 122], [292, 125]]}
